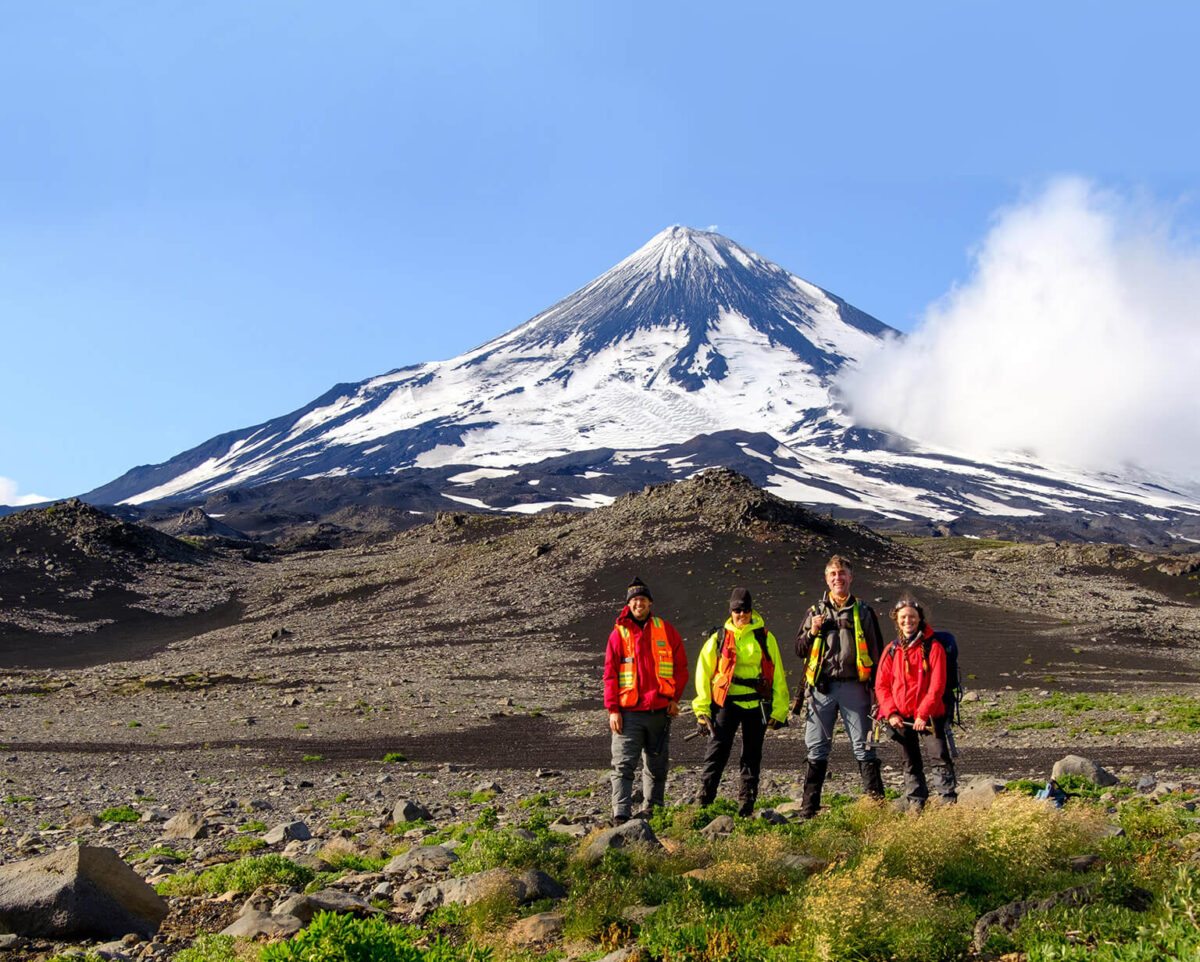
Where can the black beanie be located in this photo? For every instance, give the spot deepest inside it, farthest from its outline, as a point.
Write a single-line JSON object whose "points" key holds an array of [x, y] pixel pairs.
{"points": [[741, 599], [637, 587]]}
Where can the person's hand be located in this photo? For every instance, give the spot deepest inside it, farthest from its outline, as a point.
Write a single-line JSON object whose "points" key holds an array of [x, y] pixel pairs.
{"points": [[895, 720], [705, 724], [814, 627], [614, 722], [774, 723], [672, 709], [919, 725]]}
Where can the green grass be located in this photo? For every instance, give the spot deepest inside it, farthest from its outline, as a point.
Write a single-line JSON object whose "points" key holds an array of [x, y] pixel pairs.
{"points": [[242, 876], [340, 938], [540, 800], [244, 844], [208, 948], [122, 813], [159, 850], [1099, 713]]}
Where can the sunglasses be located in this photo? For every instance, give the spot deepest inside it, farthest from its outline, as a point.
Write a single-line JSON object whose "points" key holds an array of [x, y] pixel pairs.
{"points": [[739, 610]]}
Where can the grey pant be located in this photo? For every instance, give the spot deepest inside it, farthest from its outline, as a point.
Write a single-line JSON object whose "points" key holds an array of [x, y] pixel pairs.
{"points": [[852, 699], [643, 735]]}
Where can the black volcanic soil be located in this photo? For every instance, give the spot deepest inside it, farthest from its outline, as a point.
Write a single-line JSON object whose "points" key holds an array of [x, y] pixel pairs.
{"points": [[134, 666]]}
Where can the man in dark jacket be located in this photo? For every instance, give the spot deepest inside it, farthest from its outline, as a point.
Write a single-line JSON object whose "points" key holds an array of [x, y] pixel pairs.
{"points": [[840, 645], [645, 671]]}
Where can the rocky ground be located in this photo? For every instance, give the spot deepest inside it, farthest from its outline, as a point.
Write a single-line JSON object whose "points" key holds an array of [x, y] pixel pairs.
{"points": [[231, 678]]}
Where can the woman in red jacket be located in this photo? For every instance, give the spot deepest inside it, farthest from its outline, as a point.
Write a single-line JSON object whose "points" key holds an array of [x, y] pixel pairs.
{"points": [[909, 685]]}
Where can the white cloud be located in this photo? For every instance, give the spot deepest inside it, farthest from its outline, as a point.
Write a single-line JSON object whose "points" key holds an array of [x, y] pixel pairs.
{"points": [[1077, 337], [9, 496]]}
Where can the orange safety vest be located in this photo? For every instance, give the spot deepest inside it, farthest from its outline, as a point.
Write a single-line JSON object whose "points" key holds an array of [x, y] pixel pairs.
{"points": [[727, 662], [664, 663]]}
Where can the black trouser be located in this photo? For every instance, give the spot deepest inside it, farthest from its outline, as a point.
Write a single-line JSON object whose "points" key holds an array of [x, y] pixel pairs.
{"points": [[725, 725], [944, 778]]}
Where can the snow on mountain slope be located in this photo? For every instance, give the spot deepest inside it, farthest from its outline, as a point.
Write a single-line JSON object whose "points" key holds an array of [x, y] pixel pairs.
{"points": [[689, 335]]}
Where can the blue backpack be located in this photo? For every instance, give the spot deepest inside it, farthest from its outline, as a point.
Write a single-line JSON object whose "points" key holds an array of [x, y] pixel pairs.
{"points": [[954, 686]]}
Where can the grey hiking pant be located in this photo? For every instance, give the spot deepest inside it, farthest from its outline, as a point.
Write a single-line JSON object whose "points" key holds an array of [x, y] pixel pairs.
{"points": [[644, 735], [852, 699]]}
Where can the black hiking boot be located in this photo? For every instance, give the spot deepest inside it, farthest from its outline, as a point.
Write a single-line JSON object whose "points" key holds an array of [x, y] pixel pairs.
{"points": [[814, 778], [872, 778]]}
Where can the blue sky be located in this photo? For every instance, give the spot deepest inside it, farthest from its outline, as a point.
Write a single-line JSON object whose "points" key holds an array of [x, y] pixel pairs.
{"points": [[211, 213]]}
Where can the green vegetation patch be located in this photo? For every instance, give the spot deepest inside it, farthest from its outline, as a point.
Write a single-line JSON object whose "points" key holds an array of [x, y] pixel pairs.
{"points": [[1093, 712], [122, 813], [242, 876], [341, 938]]}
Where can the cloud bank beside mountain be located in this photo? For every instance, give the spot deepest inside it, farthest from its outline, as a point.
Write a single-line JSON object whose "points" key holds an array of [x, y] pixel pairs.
{"points": [[9, 496], [1077, 337]]}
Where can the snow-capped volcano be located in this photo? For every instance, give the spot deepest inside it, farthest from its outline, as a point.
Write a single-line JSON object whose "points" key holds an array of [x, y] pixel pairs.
{"points": [[693, 352], [691, 334]]}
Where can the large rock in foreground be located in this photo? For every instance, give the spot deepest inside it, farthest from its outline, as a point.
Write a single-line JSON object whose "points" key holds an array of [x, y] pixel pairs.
{"points": [[76, 893]]}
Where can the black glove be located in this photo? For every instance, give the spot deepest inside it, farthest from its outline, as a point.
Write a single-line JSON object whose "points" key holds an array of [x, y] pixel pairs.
{"points": [[705, 725], [773, 724]]}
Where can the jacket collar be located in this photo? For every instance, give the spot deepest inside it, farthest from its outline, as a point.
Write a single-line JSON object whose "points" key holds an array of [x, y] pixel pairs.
{"points": [[828, 601], [755, 622], [628, 618]]}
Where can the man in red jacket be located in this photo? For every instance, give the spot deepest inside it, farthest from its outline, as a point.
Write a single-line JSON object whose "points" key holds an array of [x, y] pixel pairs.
{"points": [[645, 671], [909, 685]]}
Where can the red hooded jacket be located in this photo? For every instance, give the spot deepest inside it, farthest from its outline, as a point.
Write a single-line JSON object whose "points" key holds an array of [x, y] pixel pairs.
{"points": [[648, 696], [908, 685]]}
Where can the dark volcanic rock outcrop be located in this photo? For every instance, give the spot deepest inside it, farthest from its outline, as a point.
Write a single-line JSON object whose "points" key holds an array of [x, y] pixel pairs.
{"points": [[193, 522]]}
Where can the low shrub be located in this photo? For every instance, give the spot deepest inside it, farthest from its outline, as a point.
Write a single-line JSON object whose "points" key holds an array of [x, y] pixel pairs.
{"points": [[242, 876], [991, 855], [331, 937], [122, 813], [508, 849], [244, 843], [209, 948], [866, 912]]}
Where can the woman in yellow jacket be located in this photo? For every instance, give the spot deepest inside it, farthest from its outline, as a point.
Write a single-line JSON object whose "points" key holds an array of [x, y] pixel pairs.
{"points": [[739, 682]]}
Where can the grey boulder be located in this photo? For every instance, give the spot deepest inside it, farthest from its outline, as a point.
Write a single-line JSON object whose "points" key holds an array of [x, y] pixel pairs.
{"points": [[253, 924], [434, 858], [407, 810], [76, 893], [290, 831], [186, 825], [636, 831], [305, 906], [1078, 765], [471, 888]]}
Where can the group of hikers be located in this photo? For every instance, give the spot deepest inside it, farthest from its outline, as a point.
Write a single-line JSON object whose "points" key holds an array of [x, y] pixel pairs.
{"points": [[741, 683]]}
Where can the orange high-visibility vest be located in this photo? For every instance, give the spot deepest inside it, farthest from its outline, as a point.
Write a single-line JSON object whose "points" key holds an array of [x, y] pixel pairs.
{"points": [[727, 662], [664, 663]]}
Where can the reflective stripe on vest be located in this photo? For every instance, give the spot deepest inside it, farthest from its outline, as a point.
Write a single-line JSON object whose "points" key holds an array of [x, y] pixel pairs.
{"points": [[664, 663], [723, 676], [862, 657]]}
